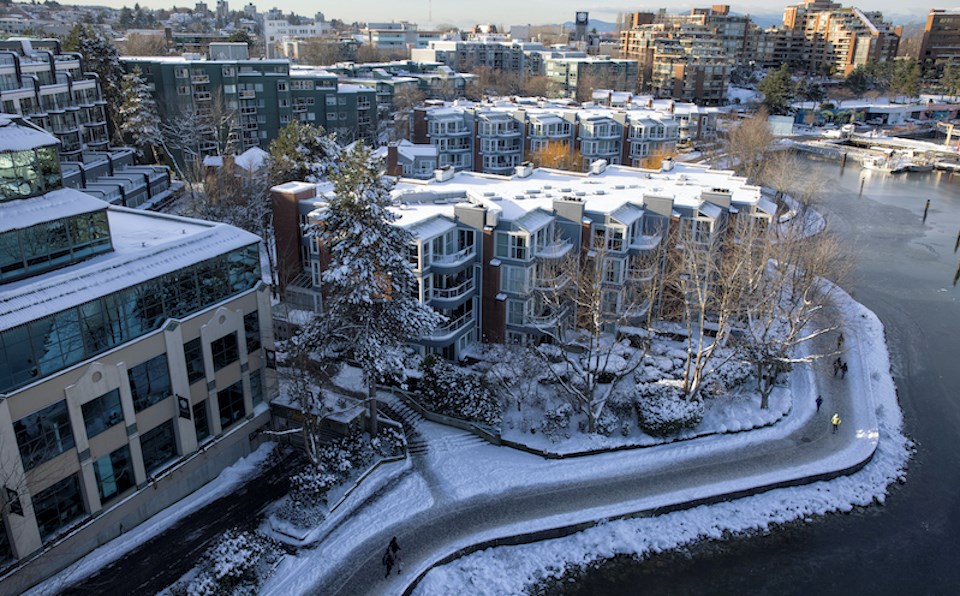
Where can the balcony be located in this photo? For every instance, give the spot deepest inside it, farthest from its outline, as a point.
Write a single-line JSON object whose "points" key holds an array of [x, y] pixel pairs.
{"points": [[246, 94], [451, 327], [641, 274], [555, 249], [542, 320], [644, 242], [442, 263], [455, 292], [202, 96], [200, 79], [548, 284]]}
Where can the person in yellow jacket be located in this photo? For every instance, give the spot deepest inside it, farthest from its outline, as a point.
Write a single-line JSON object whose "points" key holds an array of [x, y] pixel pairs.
{"points": [[835, 421]]}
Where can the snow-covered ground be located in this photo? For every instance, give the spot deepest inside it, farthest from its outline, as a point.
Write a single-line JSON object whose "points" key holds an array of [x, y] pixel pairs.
{"points": [[507, 570], [229, 480]]}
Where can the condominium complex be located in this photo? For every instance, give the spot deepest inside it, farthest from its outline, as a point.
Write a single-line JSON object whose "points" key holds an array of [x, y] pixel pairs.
{"points": [[484, 246], [265, 95], [941, 37], [53, 91], [135, 354], [397, 38], [276, 32], [577, 77], [495, 137]]}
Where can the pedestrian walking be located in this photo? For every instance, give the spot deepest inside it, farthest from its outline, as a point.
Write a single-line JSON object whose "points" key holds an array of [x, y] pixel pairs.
{"points": [[836, 366], [840, 341], [843, 371], [388, 561], [393, 550], [819, 402], [835, 421]]}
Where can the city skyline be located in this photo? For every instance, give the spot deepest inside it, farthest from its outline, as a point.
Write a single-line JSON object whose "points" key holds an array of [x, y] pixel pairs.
{"points": [[507, 13]]}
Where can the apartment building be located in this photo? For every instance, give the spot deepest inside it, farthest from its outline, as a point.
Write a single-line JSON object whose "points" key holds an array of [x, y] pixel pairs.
{"points": [[941, 37], [398, 38], [577, 77], [495, 137], [462, 56], [52, 90], [682, 60], [278, 31], [135, 355], [265, 95], [839, 38], [483, 245]]}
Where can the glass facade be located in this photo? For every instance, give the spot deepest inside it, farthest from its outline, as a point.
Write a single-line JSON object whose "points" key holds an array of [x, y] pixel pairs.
{"points": [[256, 386], [158, 446], [44, 435], [53, 244], [200, 421], [58, 505], [114, 474], [193, 352], [102, 413], [50, 344], [251, 328], [231, 405], [149, 382], [225, 351], [29, 173]]}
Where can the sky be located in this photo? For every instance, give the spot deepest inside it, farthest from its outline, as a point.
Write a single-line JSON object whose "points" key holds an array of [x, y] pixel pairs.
{"points": [[512, 12]]}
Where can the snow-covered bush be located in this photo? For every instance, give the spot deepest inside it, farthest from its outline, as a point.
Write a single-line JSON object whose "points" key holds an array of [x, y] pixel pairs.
{"points": [[556, 422], [662, 409], [389, 442], [453, 392], [236, 564], [726, 376], [608, 424]]}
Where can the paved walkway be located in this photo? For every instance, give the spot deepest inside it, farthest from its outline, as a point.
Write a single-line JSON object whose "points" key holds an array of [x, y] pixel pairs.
{"points": [[706, 470]]}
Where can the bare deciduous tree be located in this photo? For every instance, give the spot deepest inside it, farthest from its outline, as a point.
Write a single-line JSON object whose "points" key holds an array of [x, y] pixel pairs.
{"points": [[748, 144]]}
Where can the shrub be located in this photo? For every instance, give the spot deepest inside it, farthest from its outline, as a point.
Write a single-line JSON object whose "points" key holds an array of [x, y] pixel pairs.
{"points": [[556, 421], [453, 392], [663, 411], [233, 565]]}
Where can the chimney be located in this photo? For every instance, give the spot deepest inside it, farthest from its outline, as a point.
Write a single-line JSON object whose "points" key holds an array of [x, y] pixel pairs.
{"points": [[393, 167], [524, 170], [667, 164], [444, 173], [598, 167]]}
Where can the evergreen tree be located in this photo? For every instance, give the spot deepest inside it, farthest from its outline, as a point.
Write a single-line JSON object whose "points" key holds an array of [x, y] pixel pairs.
{"points": [[369, 311], [303, 152], [858, 81], [951, 79], [100, 56], [139, 117], [906, 79], [777, 89]]}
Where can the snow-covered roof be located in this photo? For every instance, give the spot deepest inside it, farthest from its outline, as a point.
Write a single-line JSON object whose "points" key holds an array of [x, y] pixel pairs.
{"points": [[61, 203], [213, 161], [251, 159], [432, 227], [710, 210], [534, 220], [627, 214], [18, 135], [414, 150], [146, 245]]}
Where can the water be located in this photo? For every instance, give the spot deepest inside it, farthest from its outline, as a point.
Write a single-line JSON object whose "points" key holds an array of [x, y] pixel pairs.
{"points": [[903, 269]]}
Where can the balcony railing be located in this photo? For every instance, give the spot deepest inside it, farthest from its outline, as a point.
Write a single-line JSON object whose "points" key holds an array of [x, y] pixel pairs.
{"points": [[546, 320], [551, 283], [454, 292], [452, 326], [554, 250], [641, 274], [456, 258], [247, 94], [200, 79], [646, 242]]}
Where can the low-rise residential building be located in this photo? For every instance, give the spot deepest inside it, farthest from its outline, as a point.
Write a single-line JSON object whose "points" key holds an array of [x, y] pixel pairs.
{"points": [[495, 137], [483, 246], [398, 38], [135, 355]]}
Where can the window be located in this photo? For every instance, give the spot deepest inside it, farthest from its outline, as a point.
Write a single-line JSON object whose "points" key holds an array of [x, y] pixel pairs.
{"points": [[613, 271], [231, 405], [158, 446], [511, 246], [331, 100], [342, 101], [149, 382], [514, 279], [57, 505], [251, 328], [114, 474], [225, 351], [281, 86], [200, 421], [256, 386], [193, 352], [516, 311], [183, 89], [44, 435], [102, 413]]}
